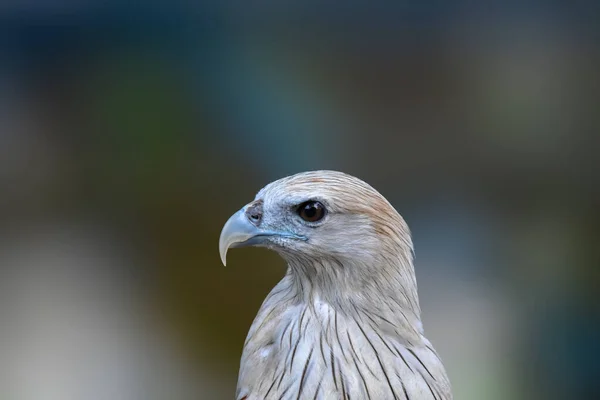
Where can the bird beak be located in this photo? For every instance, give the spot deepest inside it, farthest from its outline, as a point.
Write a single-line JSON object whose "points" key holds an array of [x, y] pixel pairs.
{"points": [[240, 232], [237, 230]]}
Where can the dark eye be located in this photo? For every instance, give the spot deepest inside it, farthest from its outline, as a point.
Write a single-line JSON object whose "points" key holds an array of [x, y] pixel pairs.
{"points": [[311, 211]]}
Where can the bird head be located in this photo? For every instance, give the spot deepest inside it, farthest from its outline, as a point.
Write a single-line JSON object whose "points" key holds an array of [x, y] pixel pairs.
{"points": [[318, 216]]}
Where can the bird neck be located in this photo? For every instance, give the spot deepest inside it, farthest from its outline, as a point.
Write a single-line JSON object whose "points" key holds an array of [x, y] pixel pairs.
{"points": [[384, 285]]}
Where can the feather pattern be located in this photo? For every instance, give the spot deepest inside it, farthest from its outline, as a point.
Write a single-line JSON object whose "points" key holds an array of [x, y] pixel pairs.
{"points": [[344, 322]]}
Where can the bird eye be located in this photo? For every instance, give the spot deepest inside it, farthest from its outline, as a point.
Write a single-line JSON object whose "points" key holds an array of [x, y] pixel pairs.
{"points": [[311, 211]]}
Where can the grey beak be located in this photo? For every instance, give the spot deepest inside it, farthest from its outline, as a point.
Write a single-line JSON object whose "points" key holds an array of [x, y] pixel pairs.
{"points": [[237, 230]]}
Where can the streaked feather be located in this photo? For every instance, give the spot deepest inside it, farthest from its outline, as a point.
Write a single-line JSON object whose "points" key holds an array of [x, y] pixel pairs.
{"points": [[343, 323]]}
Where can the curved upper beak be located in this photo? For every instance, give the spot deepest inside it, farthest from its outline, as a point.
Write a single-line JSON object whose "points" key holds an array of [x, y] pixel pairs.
{"points": [[239, 232]]}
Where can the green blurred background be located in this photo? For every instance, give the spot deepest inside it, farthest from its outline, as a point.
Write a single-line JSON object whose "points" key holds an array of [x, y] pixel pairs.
{"points": [[129, 134]]}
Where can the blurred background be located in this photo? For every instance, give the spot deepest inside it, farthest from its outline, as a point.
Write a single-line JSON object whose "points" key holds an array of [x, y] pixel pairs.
{"points": [[129, 134]]}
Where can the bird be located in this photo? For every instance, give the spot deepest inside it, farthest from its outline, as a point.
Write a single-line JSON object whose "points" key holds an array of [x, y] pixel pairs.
{"points": [[345, 320]]}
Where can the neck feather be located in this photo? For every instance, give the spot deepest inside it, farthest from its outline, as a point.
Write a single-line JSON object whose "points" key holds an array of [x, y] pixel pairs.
{"points": [[384, 285]]}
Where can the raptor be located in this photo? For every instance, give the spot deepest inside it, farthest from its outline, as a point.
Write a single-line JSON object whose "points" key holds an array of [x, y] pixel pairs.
{"points": [[345, 321]]}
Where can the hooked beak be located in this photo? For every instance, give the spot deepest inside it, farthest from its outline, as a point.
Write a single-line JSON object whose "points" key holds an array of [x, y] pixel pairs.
{"points": [[240, 232]]}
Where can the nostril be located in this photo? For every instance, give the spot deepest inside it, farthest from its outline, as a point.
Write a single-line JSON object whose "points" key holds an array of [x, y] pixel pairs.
{"points": [[255, 217], [254, 212]]}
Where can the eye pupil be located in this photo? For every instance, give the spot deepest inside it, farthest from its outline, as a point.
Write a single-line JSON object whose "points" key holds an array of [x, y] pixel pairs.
{"points": [[311, 211]]}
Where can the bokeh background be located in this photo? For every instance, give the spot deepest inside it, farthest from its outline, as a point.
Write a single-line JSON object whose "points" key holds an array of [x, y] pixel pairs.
{"points": [[129, 134]]}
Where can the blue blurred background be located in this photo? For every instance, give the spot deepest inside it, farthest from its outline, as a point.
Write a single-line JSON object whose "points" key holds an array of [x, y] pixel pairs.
{"points": [[129, 134]]}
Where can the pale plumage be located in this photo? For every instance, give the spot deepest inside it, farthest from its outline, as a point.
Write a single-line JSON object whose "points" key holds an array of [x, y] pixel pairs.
{"points": [[344, 323]]}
